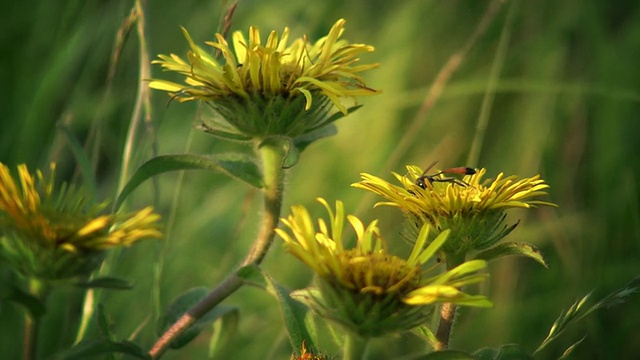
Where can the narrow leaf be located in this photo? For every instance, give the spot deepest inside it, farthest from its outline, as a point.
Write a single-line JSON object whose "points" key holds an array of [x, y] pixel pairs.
{"points": [[242, 169], [566, 353], [293, 312], [82, 160], [426, 334], [180, 306], [89, 349], [512, 248], [448, 355], [106, 282], [224, 329]]}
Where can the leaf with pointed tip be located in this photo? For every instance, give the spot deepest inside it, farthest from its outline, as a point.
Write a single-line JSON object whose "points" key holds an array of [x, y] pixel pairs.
{"points": [[104, 324], [293, 312], [236, 166], [426, 334], [225, 328], [241, 167], [89, 349], [106, 282], [512, 248], [81, 158], [180, 306]]}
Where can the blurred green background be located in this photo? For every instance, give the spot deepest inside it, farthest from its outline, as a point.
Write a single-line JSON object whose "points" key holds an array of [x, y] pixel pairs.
{"points": [[560, 92]]}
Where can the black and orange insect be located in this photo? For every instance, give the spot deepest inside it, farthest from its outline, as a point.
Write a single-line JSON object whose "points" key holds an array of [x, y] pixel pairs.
{"points": [[461, 170]]}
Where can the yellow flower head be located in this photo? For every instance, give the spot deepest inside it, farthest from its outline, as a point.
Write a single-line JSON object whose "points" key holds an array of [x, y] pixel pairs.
{"points": [[365, 288], [54, 235], [257, 76], [473, 208]]}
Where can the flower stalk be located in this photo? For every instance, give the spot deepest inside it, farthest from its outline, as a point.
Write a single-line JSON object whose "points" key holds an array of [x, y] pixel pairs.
{"points": [[272, 157], [37, 289], [355, 347]]}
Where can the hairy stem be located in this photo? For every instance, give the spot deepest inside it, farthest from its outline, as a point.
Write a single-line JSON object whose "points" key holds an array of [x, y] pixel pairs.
{"points": [[273, 178], [448, 310]]}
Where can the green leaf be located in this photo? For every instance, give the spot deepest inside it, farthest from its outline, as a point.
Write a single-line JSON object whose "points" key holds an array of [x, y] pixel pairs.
{"points": [[32, 304], [104, 323], [512, 248], [224, 330], [90, 348], [426, 334], [83, 161], [506, 352], [241, 167], [181, 305], [238, 167], [106, 282], [293, 312], [448, 355]]}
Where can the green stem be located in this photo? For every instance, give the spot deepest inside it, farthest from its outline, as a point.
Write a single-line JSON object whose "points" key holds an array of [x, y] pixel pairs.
{"points": [[273, 177], [141, 112], [31, 323], [355, 347], [448, 310]]}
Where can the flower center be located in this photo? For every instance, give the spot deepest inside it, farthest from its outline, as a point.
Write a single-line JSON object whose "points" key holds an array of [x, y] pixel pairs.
{"points": [[378, 273]]}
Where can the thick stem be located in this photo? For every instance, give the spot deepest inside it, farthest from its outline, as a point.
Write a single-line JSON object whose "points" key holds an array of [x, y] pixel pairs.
{"points": [[448, 310], [355, 347], [447, 315], [273, 178], [31, 323]]}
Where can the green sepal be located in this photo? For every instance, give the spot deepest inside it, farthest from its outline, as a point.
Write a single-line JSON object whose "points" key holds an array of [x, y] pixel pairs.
{"points": [[301, 142], [294, 313], [513, 248], [181, 305]]}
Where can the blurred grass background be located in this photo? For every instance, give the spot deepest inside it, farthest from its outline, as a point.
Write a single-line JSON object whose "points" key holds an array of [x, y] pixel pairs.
{"points": [[561, 94]]}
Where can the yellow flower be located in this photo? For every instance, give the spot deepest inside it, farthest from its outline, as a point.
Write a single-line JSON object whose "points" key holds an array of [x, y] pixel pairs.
{"points": [[365, 288], [256, 74], [54, 235], [473, 208]]}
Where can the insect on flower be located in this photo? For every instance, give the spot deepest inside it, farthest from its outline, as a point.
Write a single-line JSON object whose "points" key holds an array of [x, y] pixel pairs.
{"points": [[461, 170]]}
